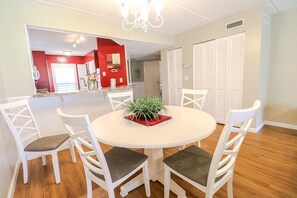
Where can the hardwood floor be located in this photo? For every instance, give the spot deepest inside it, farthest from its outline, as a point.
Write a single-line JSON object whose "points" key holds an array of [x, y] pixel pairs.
{"points": [[266, 167]]}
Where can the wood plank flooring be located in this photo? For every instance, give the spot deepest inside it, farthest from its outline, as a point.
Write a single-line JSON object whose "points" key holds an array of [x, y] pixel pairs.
{"points": [[266, 167]]}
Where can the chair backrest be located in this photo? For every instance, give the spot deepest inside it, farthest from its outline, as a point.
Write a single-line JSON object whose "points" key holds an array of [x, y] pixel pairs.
{"points": [[91, 154], [193, 96], [21, 122], [223, 162], [120, 99]]}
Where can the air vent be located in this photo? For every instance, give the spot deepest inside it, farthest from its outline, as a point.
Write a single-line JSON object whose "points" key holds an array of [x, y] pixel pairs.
{"points": [[235, 24]]}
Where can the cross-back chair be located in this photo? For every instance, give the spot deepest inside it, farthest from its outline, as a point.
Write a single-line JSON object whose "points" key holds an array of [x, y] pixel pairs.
{"points": [[194, 97], [107, 170], [209, 172], [120, 99], [29, 142]]}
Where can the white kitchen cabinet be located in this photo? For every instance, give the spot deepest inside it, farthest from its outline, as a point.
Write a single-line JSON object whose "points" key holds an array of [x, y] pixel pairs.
{"points": [[218, 67]]}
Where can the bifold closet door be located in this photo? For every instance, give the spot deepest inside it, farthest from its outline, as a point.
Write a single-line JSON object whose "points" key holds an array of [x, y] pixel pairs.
{"points": [[235, 80], [218, 67], [174, 61], [204, 72], [221, 90]]}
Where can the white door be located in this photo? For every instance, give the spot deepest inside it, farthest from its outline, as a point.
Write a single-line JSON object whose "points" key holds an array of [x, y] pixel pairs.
{"points": [[235, 83], [222, 48], [174, 61], [203, 72], [218, 67]]}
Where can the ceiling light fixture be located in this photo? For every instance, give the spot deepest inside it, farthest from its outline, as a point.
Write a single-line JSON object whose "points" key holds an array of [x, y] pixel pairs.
{"points": [[140, 14], [81, 38], [67, 53]]}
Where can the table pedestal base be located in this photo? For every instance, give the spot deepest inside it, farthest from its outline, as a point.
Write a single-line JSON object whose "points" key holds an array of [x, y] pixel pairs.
{"points": [[156, 171]]}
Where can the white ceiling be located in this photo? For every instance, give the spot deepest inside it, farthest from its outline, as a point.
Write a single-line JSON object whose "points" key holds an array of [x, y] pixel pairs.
{"points": [[179, 16]]}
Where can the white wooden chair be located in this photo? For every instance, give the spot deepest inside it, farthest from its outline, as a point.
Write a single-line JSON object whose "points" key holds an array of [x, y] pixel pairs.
{"points": [[107, 170], [209, 172], [120, 99], [30, 144], [194, 97]]}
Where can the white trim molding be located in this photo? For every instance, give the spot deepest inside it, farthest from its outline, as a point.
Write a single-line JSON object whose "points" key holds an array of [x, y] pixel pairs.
{"points": [[279, 124], [270, 123], [14, 179], [257, 129]]}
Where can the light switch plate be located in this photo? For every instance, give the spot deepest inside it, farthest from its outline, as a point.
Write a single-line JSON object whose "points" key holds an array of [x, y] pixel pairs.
{"points": [[121, 80], [103, 73], [186, 77]]}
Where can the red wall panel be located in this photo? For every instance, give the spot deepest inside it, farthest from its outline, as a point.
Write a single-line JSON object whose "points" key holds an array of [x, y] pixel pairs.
{"points": [[92, 55], [107, 46], [106, 42], [60, 59], [39, 60]]}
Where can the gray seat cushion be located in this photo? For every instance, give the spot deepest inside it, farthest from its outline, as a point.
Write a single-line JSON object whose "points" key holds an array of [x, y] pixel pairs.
{"points": [[192, 162], [47, 143], [121, 162]]}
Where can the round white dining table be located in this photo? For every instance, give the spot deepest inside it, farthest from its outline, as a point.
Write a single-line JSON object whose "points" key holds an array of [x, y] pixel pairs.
{"points": [[187, 125]]}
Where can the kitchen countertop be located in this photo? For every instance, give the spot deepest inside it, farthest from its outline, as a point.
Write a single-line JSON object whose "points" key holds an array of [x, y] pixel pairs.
{"points": [[104, 89]]}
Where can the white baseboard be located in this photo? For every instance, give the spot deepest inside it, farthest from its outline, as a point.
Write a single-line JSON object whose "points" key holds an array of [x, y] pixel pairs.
{"points": [[283, 125], [277, 124], [257, 129], [14, 179]]}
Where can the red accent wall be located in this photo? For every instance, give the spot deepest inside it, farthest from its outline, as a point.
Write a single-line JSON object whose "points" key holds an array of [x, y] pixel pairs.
{"points": [[106, 42], [107, 46], [39, 60], [92, 55], [60, 59]]}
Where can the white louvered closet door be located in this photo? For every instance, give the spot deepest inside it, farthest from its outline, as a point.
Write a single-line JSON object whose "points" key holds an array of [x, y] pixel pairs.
{"points": [[235, 82], [221, 91], [174, 60], [203, 72], [218, 67]]}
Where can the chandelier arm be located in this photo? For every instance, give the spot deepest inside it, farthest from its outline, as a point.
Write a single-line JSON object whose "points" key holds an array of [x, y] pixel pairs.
{"points": [[159, 19], [128, 26]]}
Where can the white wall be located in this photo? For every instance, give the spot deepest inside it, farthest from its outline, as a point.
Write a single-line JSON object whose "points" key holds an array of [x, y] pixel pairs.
{"points": [[264, 67], [282, 93], [14, 54], [8, 151]]}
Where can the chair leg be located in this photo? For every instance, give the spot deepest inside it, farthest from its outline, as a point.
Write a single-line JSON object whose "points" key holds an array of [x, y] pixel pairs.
{"points": [[146, 180], [72, 152], [25, 169], [43, 158], [199, 144], [230, 188], [166, 182], [56, 167], [110, 192], [89, 188]]}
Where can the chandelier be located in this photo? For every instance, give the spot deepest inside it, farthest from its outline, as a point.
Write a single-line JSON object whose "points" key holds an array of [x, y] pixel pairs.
{"points": [[137, 14]]}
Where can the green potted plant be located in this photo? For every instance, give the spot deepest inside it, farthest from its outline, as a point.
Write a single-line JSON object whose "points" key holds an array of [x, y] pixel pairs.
{"points": [[147, 108]]}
